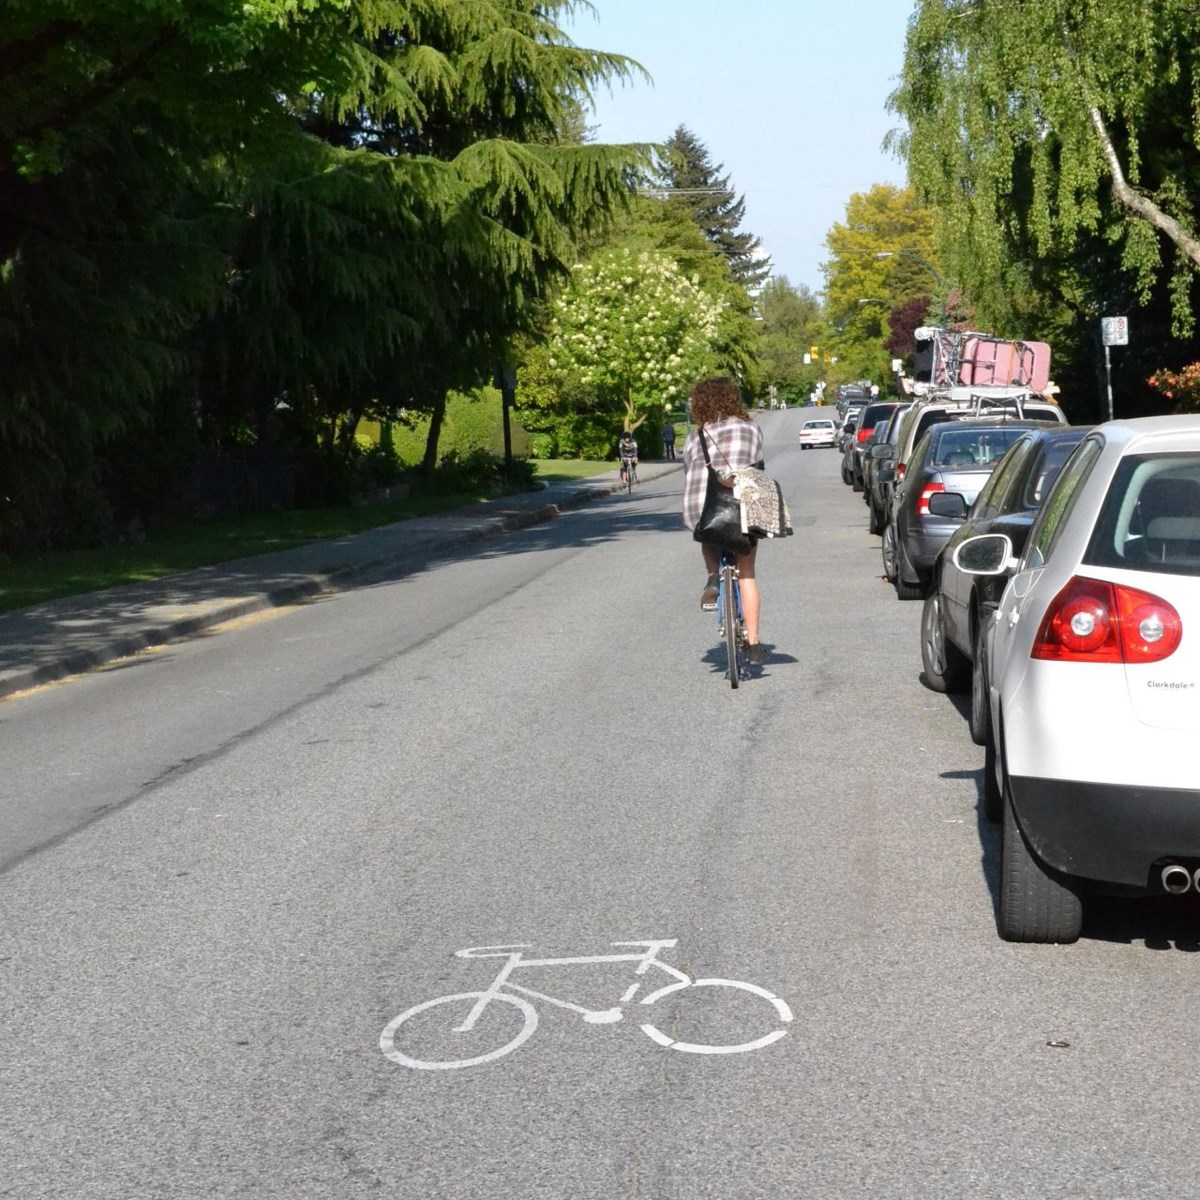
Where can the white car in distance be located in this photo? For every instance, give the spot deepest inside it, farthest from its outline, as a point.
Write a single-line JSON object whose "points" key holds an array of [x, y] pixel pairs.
{"points": [[1092, 671], [819, 432]]}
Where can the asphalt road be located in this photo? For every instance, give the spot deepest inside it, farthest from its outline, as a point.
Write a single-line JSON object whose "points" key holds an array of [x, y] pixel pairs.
{"points": [[227, 866]]}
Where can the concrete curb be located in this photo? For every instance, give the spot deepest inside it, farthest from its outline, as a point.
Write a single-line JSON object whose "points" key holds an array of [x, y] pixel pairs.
{"points": [[79, 661]]}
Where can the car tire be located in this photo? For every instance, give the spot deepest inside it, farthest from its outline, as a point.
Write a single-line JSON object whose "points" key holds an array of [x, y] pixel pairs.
{"points": [[888, 549], [946, 667], [875, 520], [1035, 904], [980, 719], [845, 474], [856, 483]]}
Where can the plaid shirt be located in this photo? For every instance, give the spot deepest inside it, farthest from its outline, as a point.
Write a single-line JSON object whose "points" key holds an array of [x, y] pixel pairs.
{"points": [[732, 444]]}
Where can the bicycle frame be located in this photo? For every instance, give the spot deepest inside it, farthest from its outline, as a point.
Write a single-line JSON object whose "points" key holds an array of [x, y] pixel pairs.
{"points": [[516, 959], [730, 621]]}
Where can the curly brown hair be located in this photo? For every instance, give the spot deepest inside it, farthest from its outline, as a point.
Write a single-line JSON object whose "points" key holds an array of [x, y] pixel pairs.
{"points": [[715, 399]]}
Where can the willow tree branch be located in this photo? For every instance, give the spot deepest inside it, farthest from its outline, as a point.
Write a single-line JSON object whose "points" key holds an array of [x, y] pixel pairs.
{"points": [[1134, 201]]}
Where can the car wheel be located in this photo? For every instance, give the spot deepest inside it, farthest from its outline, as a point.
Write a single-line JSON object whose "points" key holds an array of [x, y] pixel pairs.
{"points": [[875, 521], [946, 668], [856, 481], [845, 474], [1036, 904], [889, 551], [981, 703]]}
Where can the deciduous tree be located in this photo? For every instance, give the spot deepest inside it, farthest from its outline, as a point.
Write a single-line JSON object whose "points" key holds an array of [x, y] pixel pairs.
{"points": [[632, 331]]}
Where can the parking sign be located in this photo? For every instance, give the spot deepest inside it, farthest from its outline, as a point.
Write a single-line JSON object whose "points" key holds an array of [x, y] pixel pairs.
{"points": [[1114, 331]]}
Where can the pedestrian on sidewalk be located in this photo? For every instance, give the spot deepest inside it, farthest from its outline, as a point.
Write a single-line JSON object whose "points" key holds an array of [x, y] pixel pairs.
{"points": [[668, 437]]}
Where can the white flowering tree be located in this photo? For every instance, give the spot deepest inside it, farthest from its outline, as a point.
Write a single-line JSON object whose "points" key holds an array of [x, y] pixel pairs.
{"points": [[632, 330]]}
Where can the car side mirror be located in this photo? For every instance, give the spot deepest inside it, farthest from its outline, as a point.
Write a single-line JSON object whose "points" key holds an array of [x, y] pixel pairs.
{"points": [[987, 554], [885, 474], [883, 450], [948, 504]]}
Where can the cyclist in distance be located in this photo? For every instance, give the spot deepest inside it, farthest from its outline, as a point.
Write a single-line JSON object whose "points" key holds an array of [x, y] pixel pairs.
{"points": [[627, 449], [734, 443]]}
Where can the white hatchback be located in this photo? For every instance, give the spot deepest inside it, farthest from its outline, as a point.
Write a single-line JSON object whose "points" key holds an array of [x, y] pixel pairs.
{"points": [[818, 433], [1092, 671]]}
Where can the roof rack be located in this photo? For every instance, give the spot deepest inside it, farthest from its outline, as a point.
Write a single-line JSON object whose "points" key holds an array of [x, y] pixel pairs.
{"points": [[983, 401]]}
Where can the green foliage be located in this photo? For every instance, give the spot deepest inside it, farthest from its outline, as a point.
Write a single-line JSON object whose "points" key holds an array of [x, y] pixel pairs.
{"points": [[482, 472], [353, 204], [792, 323], [707, 196], [473, 420], [631, 332], [881, 254], [1001, 140]]}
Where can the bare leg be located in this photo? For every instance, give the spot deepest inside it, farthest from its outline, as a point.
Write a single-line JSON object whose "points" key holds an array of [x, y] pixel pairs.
{"points": [[749, 588]]}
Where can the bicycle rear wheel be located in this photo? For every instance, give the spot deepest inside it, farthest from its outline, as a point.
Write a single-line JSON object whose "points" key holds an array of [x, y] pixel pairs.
{"points": [[730, 620]]}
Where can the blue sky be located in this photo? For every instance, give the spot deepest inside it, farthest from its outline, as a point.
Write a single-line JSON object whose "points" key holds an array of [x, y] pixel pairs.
{"points": [[788, 94]]}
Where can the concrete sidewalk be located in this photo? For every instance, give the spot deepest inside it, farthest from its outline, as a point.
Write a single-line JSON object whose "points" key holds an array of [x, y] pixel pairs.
{"points": [[64, 637]]}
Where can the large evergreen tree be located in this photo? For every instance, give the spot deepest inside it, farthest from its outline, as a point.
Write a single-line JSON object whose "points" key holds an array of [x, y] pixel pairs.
{"points": [[694, 183], [352, 203]]}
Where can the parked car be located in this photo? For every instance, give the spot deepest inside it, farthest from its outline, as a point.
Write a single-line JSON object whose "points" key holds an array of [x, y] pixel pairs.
{"points": [[1094, 683], [845, 436], [852, 470], [877, 491], [959, 605], [820, 432], [953, 456]]}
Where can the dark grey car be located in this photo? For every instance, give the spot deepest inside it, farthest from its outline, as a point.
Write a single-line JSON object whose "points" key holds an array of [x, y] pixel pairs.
{"points": [[878, 484], [852, 459], [954, 456]]}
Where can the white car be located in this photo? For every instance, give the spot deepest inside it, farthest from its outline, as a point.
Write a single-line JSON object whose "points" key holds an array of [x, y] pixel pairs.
{"points": [[818, 433], [1092, 678]]}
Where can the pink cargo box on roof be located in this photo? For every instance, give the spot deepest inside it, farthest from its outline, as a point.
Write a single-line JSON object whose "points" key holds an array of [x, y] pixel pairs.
{"points": [[997, 361]]}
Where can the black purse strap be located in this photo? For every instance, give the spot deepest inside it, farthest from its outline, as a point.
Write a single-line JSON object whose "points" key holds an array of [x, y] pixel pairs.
{"points": [[707, 459]]}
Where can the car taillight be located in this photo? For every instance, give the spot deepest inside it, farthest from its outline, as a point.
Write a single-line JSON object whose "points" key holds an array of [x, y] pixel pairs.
{"points": [[863, 434], [923, 501], [1093, 621], [900, 469]]}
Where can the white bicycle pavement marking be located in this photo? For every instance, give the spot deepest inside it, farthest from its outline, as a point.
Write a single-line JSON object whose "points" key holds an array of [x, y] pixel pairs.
{"points": [[502, 989]]}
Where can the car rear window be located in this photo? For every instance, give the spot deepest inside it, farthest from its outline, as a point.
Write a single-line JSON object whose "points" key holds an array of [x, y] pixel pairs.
{"points": [[873, 413], [973, 449], [1150, 519], [818, 424]]}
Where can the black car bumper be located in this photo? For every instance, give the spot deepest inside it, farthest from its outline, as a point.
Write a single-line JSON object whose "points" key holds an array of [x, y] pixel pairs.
{"points": [[924, 542], [1111, 833]]}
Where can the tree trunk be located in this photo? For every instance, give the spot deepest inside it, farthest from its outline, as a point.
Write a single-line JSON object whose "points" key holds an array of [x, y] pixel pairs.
{"points": [[350, 427], [436, 417]]}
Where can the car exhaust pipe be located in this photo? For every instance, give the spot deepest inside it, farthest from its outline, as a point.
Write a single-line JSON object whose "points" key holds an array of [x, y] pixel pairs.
{"points": [[1176, 879]]}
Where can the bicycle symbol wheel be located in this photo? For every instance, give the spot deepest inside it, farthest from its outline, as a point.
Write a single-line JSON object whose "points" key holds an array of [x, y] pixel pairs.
{"points": [[783, 1012], [462, 1003]]}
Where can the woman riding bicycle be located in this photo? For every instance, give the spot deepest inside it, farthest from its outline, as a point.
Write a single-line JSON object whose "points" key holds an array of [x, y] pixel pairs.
{"points": [[734, 443]]}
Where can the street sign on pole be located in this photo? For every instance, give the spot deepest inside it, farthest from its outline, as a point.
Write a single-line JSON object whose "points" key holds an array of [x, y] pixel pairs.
{"points": [[1114, 331]]}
